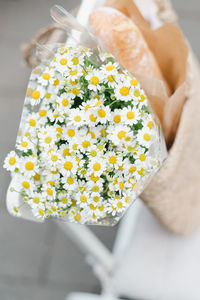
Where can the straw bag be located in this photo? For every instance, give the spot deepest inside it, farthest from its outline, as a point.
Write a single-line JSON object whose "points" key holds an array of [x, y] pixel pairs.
{"points": [[173, 195]]}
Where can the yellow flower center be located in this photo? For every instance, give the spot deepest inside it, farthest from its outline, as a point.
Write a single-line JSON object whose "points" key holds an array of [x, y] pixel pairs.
{"points": [[68, 165], [26, 184], [36, 177], [136, 93], [94, 178], [124, 91], [53, 208], [15, 209], [110, 68], [46, 76], [92, 207], [36, 200], [117, 118], [41, 212], [75, 91], [96, 199], [66, 152], [24, 144], [75, 60], [92, 118], [92, 134], [77, 118], [93, 153], [36, 95], [100, 147], [121, 134], [70, 180], [101, 208], [97, 166], [77, 217], [64, 200], [12, 161], [101, 113], [52, 183], [86, 144], [83, 199], [94, 80], [65, 102], [112, 160], [150, 124], [49, 191], [132, 169], [142, 98], [130, 115], [95, 188], [48, 95], [48, 140], [75, 146], [63, 61], [59, 129], [141, 171], [73, 72], [121, 185], [134, 82], [54, 157], [29, 166], [56, 82], [111, 78], [119, 205], [142, 157], [32, 122], [147, 137], [42, 113], [71, 132]]}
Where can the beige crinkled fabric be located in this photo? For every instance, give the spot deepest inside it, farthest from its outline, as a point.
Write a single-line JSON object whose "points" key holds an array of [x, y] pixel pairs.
{"points": [[173, 195]]}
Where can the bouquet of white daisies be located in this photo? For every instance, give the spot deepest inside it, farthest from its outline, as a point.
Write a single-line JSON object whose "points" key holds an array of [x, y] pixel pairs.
{"points": [[88, 141]]}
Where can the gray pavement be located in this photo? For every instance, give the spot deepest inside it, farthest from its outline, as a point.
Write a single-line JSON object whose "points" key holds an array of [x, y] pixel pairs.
{"points": [[37, 261]]}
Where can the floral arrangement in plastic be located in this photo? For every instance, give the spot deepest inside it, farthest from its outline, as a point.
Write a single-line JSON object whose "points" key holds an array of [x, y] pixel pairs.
{"points": [[88, 142]]}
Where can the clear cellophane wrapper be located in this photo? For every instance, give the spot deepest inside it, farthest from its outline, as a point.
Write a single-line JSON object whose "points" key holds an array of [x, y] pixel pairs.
{"points": [[173, 194]]}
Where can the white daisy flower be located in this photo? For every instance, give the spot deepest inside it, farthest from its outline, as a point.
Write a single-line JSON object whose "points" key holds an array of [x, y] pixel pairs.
{"points": [[145, 137], [39, 211], [47, 137], [118, 134], [94, 79], [82, 199], [69, 183], [28, 166], [49, 191], [65, 199], [26, 184], [25, 145], [64, 102], [37, 95], [76, 117], [36, 72], [53, 159], [11, 162], [103, 114], [68, 166], [130, 115], [45, 77], [77, 216], [35, 199], [97, 165], [123, 92]]}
